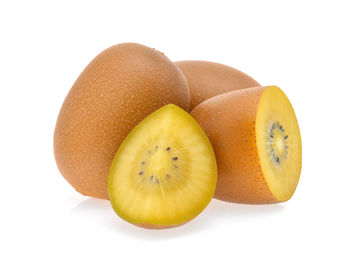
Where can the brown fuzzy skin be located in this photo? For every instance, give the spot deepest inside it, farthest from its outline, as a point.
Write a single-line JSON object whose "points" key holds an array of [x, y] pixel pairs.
{"points": [[120, 87], [208, 79], [229, 122]]}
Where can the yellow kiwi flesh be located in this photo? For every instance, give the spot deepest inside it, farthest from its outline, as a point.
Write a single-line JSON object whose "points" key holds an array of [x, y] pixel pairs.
{"points": [[279, 143], [164, 172]]}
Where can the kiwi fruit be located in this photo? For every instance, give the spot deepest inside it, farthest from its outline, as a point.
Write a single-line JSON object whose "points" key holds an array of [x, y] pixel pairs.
{"points": [[256, 139], [120, 87], [164, 173], [208, 79]]}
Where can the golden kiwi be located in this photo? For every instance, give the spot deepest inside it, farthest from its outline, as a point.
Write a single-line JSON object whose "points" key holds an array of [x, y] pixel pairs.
{"points": [[164, 172], [121, 86], [208, 79], [256, 139]]}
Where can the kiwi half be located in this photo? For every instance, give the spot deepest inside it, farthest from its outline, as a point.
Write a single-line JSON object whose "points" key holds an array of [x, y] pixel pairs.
{"points": [[256, 139], [164, 172]]}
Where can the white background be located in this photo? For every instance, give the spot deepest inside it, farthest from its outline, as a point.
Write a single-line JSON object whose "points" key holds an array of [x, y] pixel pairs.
{"points": [[301, 46]]}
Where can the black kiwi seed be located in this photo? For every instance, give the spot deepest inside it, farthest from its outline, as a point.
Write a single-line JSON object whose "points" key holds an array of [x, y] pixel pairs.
{"points": [[286, 137], [168, 176], [175, 158], [168, 148], [152, 177], [278, 160], [141, 172], [143, 162]]}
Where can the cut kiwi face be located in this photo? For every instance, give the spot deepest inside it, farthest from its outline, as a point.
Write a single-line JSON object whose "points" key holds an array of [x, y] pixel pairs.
{"points": [[278, 143], [164, 173]]}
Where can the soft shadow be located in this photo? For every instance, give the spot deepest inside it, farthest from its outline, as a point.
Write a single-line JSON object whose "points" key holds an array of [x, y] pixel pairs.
{"points": [[101, 212], [90, 204], [217, 210]]}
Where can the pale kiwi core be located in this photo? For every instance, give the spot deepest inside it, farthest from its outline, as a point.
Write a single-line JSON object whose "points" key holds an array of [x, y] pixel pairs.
{"points": [[278, 142], [159, 162]]}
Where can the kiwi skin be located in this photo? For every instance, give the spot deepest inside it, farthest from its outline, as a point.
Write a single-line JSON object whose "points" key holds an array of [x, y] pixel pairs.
{"points": [[150, 226], [119, 87], [208, 79], [239, 171]]}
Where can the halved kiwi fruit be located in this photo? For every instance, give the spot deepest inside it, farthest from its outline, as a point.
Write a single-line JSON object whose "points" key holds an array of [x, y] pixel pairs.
{"points": [[256, 139], [164, 172]]}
